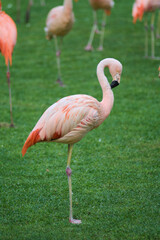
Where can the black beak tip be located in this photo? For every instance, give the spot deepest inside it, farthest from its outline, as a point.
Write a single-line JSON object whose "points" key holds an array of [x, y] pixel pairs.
{"points": [[114, 84]]}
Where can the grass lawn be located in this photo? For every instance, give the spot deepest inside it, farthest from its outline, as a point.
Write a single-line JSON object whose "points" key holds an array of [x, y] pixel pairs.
{"points": [[115, 167]]}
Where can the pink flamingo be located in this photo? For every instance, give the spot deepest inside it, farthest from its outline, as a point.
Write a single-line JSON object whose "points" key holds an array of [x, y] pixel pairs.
{"points": [[69, 119], [145, 6], [106, 5], [8, 37], [159, 71], [59, 22]]}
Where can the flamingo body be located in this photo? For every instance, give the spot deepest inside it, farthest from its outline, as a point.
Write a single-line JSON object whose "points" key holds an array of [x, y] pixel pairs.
{"points": [[145, 6], [101, 4], [142, 6], [59, 22], [69, 119], [8, 36]]}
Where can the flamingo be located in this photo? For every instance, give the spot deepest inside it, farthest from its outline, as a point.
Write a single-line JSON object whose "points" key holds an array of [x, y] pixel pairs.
{"points": [[59, 22], [145, 6], [68, 120], [30, 3], [159, 71], [106, 5], [8, 37]]}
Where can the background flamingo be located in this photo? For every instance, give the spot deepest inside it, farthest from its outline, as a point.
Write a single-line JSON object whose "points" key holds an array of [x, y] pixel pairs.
{"points": [[30, 3], [69, 119], [145, 6], [59, 22], [159, 71], [106, 5], [8, 37]]}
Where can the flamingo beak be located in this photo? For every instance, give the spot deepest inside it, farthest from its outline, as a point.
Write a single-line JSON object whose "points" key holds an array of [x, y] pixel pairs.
{"points": [[116, 81]]}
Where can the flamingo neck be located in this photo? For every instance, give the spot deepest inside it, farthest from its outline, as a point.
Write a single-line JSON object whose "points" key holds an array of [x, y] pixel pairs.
{"points": [[0, 6], [108, 98], [68, 5]]}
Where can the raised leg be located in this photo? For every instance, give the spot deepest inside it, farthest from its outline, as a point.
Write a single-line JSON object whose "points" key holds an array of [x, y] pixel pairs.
{"points": [[93, 31], [158, 26], [18, 10], [10, 96], [102, 32], [58, 53], [30, 3], [69, 172], [146, 37], [152, 36]]}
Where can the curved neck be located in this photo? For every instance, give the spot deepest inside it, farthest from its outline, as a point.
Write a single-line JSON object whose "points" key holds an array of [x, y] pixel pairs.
{"points": [[108, 97], [67, 4], [101, 76]]}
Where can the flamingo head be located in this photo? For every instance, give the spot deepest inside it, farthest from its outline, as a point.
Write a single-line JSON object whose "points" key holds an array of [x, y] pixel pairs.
{"points": [[116, 71]]}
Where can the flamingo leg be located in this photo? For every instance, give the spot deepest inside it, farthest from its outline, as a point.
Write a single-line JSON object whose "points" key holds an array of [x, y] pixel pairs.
{"points": [[102, 32], [152, 36], [43, 3], [158, 26], [58, 53], [10, 96], [93, 31], [18, 10], [146, 37], [30, 3], [69, 172]]}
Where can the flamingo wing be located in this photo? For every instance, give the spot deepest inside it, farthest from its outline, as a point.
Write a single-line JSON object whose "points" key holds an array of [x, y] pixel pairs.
{"points": [[66, 121], [8, 36]]}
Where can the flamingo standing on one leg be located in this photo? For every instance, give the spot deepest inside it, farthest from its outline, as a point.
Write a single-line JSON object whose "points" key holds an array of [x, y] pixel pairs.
{"points": [[106, 5], [8, 37], [144, 6], [59, 22], [69, 119]]}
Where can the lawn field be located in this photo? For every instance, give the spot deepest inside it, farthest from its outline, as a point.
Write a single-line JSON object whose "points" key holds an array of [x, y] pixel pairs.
{"points": [[116, 177]]}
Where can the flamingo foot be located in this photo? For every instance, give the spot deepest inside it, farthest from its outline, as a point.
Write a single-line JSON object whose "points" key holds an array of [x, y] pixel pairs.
{"points": [[58, 53], [100, 48], [97, 31], [75, 221], [89, 48], [6, 125], [59, 81]]}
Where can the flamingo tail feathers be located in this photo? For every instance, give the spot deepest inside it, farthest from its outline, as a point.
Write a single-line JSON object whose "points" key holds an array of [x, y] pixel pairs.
{"points": [[32, 139]]}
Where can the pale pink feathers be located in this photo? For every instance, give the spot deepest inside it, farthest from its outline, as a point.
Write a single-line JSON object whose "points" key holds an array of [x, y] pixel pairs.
{"points": [[59, 20]]}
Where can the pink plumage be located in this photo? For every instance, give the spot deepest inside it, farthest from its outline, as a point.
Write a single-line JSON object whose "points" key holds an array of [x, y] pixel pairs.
{"points": [[8, 37], [142, 6], [69, 119]]}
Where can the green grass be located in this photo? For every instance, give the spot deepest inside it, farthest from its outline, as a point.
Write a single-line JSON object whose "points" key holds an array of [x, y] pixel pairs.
{"points": [[115, 167]]}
